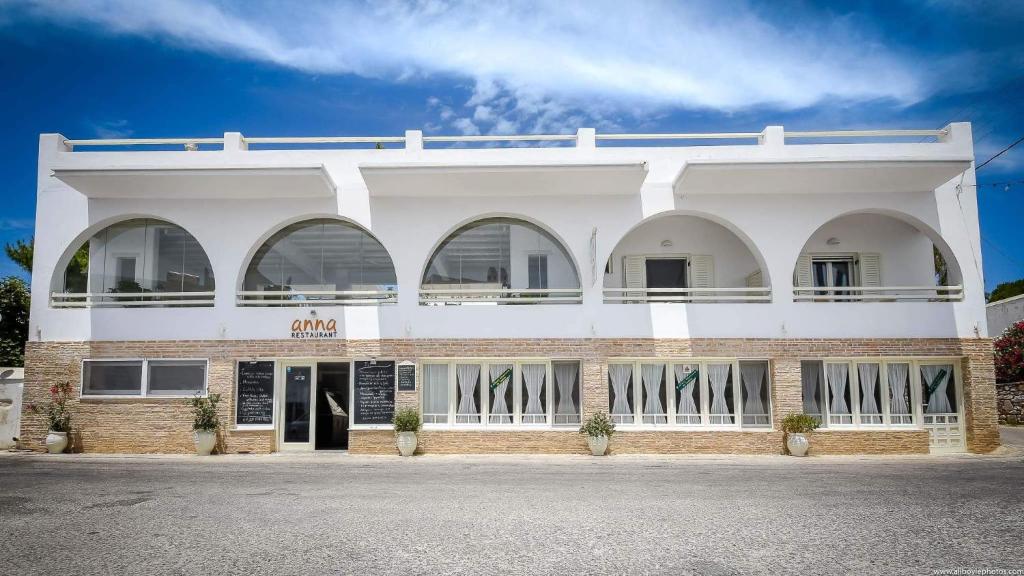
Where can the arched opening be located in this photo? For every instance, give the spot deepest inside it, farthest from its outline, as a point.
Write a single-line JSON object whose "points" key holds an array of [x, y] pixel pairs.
{"points": [[500, 261], [684, 258], [321, 261], [137, 262], [876, 257]]}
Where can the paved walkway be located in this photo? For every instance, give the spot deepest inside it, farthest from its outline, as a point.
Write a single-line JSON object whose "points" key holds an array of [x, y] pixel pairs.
{"points": [[510, 515]]}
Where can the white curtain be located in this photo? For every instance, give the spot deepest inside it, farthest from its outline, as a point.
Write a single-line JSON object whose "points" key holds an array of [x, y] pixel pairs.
{"points": [[652, 374], [467, 375], [565, 379], [837, 380], [868, 374], [938, 401], [898, 388], [435, 392], [619, 375], [686, 403], [752, 374], [718, 377], [810, 376], [500, 414], [533, 378]]}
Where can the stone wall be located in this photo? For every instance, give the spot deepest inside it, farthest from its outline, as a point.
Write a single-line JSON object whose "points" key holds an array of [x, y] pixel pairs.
{"points": [[164, 425], [1010, 401]]}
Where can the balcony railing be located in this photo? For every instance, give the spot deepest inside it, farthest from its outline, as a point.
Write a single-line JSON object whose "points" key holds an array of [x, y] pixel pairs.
{"points": [[686, 295], [880, 294], [484, 296], [316, 297], [129, 299]]}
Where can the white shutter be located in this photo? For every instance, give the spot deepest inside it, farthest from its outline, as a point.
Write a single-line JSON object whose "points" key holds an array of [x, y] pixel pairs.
{"points": [[633, 274], [802, 275], [702, 272], [870, 269], [754, 280]]}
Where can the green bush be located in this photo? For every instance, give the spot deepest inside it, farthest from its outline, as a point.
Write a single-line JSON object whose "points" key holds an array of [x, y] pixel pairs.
{"points": [[204, 413], [799, 424], [598, 425], [406, 420]]}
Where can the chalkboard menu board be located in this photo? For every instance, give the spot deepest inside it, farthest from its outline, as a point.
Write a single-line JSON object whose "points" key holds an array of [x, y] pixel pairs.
{"points": [[406, 377], [374, 392], [254, 404]]}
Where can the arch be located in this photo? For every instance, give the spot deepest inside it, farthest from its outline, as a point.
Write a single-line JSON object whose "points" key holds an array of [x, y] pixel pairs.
{"points": [[318, 252], [955, 272], [505, 264], [735, 231], [140, 253]]}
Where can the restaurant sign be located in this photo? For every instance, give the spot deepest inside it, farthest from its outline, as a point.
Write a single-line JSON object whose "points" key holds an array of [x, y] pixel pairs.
{"points": [[312, 328]]}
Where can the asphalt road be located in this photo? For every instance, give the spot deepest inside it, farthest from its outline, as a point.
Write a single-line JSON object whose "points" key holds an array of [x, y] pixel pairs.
{"points": [[502, 515]]}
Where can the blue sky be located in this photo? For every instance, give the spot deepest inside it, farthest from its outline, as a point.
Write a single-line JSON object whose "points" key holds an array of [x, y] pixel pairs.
{"points": [[165, 68]]}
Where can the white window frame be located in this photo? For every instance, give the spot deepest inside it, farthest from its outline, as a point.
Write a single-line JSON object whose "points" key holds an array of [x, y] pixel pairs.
{"points": [[705, 394], [538, 254], [830, 258], [484, 399], [914, 381], [686, 258], [144, 382]]}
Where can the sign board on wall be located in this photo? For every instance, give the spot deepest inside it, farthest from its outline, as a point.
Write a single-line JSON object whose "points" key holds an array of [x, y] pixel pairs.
{"points": [[254, 401], [373, 389], [406, 377]]}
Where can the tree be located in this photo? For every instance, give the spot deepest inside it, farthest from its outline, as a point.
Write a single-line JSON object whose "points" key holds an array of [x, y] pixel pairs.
{"points": [[21, 253], [1007, 290], [14, 305], [1010, 354]]}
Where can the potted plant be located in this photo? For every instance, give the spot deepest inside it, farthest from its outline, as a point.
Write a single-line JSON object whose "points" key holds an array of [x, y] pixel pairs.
{"points": [[796, 426], [407, 422], [205, 422], [59, 415], [598, 428]]}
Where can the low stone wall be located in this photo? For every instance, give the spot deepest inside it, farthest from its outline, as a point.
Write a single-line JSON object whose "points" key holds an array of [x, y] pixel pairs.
{"points": [[1010, 402]]}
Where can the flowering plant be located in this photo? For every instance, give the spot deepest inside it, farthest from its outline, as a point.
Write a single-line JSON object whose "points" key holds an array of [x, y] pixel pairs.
{"points": [[57, 410], [1010, 354]]}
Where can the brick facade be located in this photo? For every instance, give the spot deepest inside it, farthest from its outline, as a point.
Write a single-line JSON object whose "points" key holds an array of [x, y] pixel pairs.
{"points": [[162, 425]]}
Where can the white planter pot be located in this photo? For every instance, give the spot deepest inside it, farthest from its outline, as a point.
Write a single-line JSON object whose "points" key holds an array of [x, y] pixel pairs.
{"points": [[205, 442], [797, 444], [406, 443], [56, 442], [598, 445]]}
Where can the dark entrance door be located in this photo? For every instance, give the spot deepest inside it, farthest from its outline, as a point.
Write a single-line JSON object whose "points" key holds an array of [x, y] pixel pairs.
{"points": [[332, 405]]}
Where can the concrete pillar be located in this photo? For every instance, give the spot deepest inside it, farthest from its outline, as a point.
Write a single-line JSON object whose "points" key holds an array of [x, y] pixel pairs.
{"points": [[586, 138], [772, 137], [414, 141], [235, 142]]}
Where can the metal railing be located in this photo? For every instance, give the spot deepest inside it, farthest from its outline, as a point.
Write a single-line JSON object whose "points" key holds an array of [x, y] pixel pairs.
{"points": [[880, 294], [415, 139], [316, 297], [686, 295], [129, 299], [454, 296]]}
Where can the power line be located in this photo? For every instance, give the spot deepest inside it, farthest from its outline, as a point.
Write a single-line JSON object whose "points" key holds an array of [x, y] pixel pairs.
{"points": [[1000, 153]]}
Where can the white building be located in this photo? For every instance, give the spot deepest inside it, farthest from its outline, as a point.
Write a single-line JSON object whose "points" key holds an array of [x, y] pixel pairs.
{"points": [[529, 286]]}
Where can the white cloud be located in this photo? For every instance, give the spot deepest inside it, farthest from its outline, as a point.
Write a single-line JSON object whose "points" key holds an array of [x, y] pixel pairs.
{"points": [[112, 129], [657, 54]]}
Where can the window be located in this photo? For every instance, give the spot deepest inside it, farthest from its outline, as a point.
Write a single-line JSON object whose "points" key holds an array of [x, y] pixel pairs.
{"points": [[498, 253], [832, 272], [176, 377], [141, 256], [691, 393], [502, 393], [538, 271], [318, 258], [877, 392], [156, 378]]}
